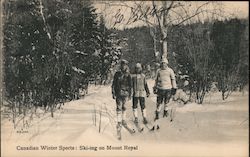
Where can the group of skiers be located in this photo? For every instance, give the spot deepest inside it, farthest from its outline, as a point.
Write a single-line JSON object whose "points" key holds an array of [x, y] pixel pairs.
{"points": [[126, 85]]}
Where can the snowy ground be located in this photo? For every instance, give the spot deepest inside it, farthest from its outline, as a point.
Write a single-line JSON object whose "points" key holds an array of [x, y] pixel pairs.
{"points": [[216, 128]]}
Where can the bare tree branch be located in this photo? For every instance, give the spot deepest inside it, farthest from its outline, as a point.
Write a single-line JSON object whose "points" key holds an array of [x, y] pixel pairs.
{"points": [[157, 16], [167, 12]]}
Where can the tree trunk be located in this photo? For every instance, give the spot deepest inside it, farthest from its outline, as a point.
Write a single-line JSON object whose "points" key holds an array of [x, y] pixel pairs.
{"points": [[164, 43], [52, 110], [100, 120], [202, 96], [164, 30], [1, 53], [223, 95]]}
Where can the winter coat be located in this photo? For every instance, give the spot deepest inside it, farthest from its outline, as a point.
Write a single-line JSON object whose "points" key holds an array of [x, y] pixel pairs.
{"points": [[139, 85], [121, 85], [165, 79]]}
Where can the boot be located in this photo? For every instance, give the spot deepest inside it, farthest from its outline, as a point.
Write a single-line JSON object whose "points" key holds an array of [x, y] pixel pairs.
{"points": [[135, 115], [165, 113], [153, 128], [118, 127], [136, 120], [145, 120], [124, 123], [144, 116], [156, 115]]}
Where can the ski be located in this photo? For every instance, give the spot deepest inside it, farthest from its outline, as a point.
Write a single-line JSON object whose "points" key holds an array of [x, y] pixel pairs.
{"points": [[139, 128], [130, 130], [124, 125], [119, 135], [154, 126], [148, 126]]}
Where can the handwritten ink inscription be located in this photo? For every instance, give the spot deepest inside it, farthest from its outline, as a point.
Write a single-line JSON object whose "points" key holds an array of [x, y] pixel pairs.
{"points": [[137, 14]]}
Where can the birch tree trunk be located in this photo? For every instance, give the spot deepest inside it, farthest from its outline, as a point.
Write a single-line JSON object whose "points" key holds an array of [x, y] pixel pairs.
{"points": [[164, 31], [164, 43], [1, 53]]}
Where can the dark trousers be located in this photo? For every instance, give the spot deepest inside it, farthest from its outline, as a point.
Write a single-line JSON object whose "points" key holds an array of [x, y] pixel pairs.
{"points": [[141, 100], [120, 103], [163, 97]]}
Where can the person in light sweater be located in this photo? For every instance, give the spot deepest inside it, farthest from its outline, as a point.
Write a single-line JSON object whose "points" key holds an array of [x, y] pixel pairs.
{"points": [[165, 86]]}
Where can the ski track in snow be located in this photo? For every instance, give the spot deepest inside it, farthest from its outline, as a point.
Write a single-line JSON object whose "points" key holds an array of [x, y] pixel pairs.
{"points": [[215, 123]]}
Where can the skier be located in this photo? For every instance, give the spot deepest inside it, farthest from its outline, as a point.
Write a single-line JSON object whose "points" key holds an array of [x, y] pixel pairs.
{"points": [[140, 90], [165, 87], [121, 91]]}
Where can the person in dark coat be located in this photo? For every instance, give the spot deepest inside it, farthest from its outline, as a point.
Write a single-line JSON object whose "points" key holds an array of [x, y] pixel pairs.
{"points": [[121, 92]]}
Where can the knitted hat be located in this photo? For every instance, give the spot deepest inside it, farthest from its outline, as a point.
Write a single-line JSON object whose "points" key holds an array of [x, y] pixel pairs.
{"points": [[164, 60], [138, 66], [123, 61]]}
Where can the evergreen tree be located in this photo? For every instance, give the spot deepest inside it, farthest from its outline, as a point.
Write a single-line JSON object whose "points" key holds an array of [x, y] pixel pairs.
{"points": [[109, 51], [244, 57], [25, 48], [85, 39], [227, 36], [105, 48]]}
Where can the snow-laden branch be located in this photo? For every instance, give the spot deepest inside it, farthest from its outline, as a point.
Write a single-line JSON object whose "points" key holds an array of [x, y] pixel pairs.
{"points": [[78, 70], [44, 21]]}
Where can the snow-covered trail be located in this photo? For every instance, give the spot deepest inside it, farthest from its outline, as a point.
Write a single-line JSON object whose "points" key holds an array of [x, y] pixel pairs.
{"points": [[215, 128], [68, 123]]}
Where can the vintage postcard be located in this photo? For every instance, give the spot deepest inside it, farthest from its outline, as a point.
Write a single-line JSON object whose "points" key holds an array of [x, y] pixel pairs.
{"points": [[124, 78]]}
